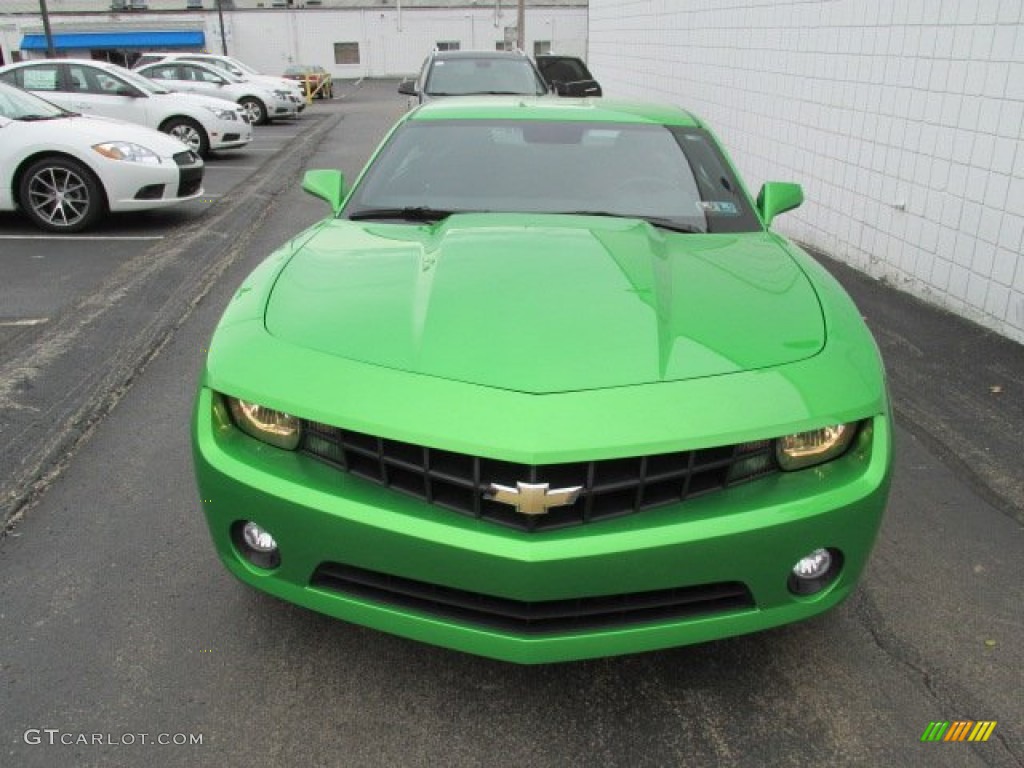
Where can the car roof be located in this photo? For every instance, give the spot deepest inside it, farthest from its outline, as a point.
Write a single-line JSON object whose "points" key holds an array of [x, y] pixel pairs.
{"points": [[517, 55], [178, 61], [91, 62], [555, 110]]}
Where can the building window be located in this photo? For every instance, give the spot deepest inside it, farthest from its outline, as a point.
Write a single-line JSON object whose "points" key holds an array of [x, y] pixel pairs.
{"points": [[540, 47], [193, 4], [346, 53], [501, 46], [447, 45]]}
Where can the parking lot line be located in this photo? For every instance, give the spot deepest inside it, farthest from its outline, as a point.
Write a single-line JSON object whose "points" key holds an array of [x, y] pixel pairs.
{"points": [[82, 237], [25, 321]]}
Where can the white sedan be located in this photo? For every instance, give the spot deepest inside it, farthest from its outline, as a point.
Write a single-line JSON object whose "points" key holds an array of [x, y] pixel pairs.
{"points": [[235, 68], [97, 88], [65, 170], [261, 102]]}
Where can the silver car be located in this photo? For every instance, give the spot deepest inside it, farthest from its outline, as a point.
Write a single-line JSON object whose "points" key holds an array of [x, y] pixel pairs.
{"points": [[261, 102]]}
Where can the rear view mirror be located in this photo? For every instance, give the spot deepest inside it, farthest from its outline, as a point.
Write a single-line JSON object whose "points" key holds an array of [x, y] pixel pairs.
{"points": [[578, 88], [328, 185], [778, 197], [407, 88]]}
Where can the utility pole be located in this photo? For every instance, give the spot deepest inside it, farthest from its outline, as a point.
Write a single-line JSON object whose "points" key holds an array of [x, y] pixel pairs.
{"points": [[51, 52], [223, 36], [521, 26]]}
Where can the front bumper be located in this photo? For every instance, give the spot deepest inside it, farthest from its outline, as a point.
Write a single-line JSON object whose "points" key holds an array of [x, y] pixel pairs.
{"points": [[285, 106], [137, 186], [326, 522], [230, 134]]}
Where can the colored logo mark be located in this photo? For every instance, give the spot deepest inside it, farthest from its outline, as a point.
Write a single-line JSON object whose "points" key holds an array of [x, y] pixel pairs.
{"points": [[959, 730]]}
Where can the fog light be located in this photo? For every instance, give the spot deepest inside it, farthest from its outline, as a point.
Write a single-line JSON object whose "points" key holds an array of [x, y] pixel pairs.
{"points": [[256, 544], [261, 541], [814, 571]]}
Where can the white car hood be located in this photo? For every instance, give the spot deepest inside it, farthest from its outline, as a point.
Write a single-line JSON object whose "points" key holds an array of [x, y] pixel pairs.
{"points": [[87, 129], [275, 83], [199, 100]]}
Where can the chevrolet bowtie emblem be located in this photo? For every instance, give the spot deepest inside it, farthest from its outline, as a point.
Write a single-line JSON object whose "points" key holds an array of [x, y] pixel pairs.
{"points": [[533, 498]]}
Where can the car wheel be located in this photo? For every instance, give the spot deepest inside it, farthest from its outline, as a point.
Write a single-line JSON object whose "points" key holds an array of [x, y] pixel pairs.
{"points": [[189, 132], [255, 109], [60, 194]]}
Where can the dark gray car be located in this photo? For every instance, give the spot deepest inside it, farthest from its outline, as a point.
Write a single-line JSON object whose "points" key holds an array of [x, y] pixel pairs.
{"points": [[463, 73]]}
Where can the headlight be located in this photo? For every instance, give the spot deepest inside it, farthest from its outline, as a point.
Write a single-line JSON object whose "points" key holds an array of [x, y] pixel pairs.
{"points": [[224, 114], [283, 94], [273, 427], [805, 449], [127, 151]]}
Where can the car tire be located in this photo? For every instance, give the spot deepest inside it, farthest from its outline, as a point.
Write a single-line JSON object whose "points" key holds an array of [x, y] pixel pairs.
{"points": [[255, 109], [189, 132], [59, 194]]}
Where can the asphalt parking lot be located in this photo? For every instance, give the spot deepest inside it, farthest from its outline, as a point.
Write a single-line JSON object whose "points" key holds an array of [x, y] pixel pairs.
{"points": [[47, 273], [118, 619]]}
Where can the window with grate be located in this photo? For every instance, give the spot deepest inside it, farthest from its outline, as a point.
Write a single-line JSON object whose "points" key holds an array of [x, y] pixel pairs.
{"points": [[540, 47], [447, 45], [346, 53]]}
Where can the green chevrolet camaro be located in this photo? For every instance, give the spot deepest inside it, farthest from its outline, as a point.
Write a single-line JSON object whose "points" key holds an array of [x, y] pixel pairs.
{"points": [[544, 387]]}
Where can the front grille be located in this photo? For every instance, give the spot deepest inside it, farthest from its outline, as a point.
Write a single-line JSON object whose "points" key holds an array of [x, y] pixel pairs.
{"points": [[232, 136], [190, 173], [610, 487], [150, 192], [533, 618], [186, 158]]}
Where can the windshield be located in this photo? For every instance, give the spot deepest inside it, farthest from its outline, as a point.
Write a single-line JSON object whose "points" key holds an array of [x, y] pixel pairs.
{"points": [[244, 67], [17, 104], [144, 84], [673, 177], [460, 77]]}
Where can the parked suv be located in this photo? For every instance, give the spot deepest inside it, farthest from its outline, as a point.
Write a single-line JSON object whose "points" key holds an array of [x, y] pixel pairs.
{"points": [[462, 73], [567, 75]]}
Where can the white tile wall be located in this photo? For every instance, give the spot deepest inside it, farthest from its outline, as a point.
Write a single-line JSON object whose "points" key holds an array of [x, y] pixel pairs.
{"points": [[902, 120]]}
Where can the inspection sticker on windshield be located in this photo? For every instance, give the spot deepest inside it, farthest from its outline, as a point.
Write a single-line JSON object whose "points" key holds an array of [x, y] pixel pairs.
{"points": [[718, 206]]}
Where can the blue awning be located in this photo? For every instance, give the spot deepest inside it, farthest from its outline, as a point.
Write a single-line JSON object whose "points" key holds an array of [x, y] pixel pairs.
{"points": [[65, 41]]}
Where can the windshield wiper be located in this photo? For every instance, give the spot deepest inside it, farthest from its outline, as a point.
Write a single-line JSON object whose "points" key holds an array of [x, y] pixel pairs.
{"points": [[654, 221], [414, 213], [36, 118]]}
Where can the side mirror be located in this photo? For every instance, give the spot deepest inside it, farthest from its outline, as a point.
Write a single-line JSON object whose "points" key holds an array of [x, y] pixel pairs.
{"points": [[778, 197], [328, 185], [407, 88], [578, 88]]}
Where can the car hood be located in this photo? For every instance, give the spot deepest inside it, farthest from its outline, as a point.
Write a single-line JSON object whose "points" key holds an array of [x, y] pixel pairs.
{"points": [[546, 304], [199, 100], [84, 130], [275, 83]]}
